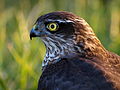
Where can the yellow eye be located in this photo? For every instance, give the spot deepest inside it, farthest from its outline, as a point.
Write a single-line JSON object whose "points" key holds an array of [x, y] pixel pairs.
{"points": [[53, 26]]}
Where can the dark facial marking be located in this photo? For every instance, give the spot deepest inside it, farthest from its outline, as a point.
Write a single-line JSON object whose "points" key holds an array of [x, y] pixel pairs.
{"points": [[64, 27]]}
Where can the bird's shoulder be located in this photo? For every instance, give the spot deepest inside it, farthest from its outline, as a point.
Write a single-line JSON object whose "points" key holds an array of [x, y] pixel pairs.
{"points": [[114, 60]]}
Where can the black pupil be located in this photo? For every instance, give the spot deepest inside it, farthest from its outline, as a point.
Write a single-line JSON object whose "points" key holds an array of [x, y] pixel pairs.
{"points": [[52, 26]]}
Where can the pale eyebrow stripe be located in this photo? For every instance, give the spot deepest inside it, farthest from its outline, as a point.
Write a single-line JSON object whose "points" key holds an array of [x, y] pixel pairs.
{"points": [[78, 20], [60, 21]]}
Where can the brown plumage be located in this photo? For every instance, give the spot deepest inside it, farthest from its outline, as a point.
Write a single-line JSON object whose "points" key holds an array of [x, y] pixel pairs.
{"points": [[75, 58]]}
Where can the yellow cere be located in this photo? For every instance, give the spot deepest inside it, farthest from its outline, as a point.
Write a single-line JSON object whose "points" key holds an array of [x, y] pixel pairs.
{"points": [[52, 26], [34, 27]]}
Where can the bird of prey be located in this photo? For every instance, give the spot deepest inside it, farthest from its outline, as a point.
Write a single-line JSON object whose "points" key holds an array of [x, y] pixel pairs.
{"points": [[75, 58]]}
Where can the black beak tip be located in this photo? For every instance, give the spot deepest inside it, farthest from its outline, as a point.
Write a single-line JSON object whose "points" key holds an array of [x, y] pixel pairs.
{"points": [[32, 34], [30, 37]]}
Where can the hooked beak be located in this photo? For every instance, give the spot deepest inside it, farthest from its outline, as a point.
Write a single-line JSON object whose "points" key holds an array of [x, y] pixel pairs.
{"points": [[37, 33], [34, 33]]}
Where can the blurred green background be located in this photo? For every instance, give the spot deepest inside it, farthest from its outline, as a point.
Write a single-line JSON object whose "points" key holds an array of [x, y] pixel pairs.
{"points": [[21, 58]]}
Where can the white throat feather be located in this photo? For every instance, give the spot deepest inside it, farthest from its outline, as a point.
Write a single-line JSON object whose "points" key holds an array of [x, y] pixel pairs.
{"points": [[56, 49]]}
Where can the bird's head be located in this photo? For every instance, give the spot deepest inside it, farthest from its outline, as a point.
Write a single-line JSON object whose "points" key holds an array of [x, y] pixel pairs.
{"points": [[54, 25], [63, 33]]}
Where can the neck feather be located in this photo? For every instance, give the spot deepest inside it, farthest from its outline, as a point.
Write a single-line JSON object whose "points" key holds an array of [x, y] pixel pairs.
{"points": [[56, 49]]}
